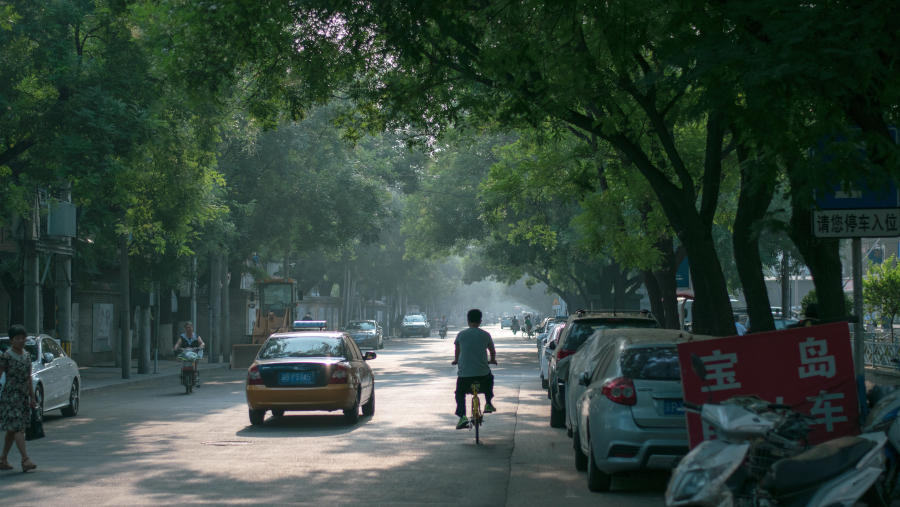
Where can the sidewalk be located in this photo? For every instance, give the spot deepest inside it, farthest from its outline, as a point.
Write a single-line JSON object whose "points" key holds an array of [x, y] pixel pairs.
{"points": [[105, 378]]}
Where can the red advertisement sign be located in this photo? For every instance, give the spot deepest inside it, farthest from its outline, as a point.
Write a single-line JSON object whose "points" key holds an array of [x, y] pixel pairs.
{"points": [[809, 368]]}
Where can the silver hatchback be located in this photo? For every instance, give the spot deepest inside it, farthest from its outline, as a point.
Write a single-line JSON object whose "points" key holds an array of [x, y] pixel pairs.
{"points": [[630, 416], [57, 383]]}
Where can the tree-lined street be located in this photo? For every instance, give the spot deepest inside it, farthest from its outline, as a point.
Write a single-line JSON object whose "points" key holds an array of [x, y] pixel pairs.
{"points": [[157, 446]]}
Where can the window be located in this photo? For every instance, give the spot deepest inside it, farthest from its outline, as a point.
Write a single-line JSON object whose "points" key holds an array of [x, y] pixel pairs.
{"points": [[302, 346], [582, 329], [603, 364], [51, 346], [360, 326], [651, 363]]}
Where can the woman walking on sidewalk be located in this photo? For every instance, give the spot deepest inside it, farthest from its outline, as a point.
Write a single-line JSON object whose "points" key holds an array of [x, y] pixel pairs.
{"points": [[17, 398]]}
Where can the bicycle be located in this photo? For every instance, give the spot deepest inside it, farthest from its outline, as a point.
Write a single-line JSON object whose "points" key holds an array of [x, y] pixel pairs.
{"points": [[477, 416]]}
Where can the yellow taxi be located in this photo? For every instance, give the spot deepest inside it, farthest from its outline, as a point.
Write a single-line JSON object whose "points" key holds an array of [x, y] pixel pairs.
{"points": [[310, 369]]}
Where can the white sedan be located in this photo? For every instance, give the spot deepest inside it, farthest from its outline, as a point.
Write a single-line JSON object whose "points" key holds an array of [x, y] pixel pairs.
{"points": [[57, 383]]}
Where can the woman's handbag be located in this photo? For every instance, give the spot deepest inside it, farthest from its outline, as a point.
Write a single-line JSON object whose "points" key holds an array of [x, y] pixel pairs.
{"points": [[36, 430]]}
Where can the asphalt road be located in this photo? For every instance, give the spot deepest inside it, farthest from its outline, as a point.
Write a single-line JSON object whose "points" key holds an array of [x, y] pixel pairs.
{"points": [[158, 446]]}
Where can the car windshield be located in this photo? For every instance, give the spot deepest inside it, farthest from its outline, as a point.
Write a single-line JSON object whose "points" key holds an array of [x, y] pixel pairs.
{"points": [[30, 347], [302, 346], [414, 318], [360, 326], [651, 363], [583, 329]]}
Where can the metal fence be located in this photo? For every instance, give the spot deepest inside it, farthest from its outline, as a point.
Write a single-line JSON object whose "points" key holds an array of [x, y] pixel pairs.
{"points": [[879, 351]]}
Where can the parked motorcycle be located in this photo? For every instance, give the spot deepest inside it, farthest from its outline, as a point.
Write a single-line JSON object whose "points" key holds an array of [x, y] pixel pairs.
{"points": [[190, 371], [759, 458], [883, 417]]}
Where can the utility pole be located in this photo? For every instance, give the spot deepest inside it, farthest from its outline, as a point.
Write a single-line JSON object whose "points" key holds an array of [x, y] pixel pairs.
{"points": [[785, 286], [858, 350], [125, 310], [226, 313], [215, 305]]}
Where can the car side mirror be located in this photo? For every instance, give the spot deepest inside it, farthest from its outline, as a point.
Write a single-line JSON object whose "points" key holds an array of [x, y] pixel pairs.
{"points": [[552, 346], [48, 358], [584, 379], [370, 355]]}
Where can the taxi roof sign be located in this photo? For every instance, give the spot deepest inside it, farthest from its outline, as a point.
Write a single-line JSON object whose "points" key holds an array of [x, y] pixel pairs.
{"points": [[300, 325]]}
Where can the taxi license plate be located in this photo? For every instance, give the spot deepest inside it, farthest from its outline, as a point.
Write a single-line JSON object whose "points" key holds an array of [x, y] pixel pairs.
{"points": [[300, 377], [673, 407]]}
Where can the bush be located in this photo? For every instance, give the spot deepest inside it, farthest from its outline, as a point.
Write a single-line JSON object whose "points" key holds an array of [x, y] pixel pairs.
{"points": [[810, 298]]}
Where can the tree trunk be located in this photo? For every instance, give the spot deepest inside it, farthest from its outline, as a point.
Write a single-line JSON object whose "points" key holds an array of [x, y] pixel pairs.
{"points": [[757, 188], [654, 294], [166, 337], [712, 313], [823, 258], [143, 329], [48, 302], [667, 283], [16, 293]]}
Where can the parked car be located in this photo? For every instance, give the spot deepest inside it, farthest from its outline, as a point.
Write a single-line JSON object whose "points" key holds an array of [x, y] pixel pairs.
{"points": [[366, 333], [57, 383], [310, 370], [630, 415], [780, 324], [579, 327], [547, 352], [415, 324]]}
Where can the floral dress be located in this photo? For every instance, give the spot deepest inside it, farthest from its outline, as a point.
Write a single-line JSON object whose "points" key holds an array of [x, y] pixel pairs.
{"points": [[15, 400]]}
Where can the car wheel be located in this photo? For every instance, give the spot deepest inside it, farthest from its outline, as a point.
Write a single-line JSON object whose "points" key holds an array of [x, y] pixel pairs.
{"points": [[545, 384], [71, 410], [426, 335], [557, 416], [581, 459], [277, 413], [598, 482], [369, 407], [352, 413], [257, 417], [380, 345]]}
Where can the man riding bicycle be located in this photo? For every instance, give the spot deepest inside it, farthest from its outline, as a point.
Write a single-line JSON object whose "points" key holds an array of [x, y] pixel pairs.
{"points": [[471, 347], [528, 324]]}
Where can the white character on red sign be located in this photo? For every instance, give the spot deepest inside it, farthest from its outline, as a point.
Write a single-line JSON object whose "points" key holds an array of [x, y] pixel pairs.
{"points": [[720, 369], [815, 359], [823, 407]]}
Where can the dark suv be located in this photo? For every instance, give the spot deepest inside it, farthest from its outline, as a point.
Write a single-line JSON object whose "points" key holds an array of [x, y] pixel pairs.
{"points": [[579, 327]]}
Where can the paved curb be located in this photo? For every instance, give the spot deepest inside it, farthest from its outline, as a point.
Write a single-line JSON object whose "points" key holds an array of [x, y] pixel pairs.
{"points": [[150, 381]]}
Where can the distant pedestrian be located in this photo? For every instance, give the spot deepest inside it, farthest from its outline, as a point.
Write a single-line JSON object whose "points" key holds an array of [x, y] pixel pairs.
{"points": [[741, 330], [307, 316], [17, 398]]}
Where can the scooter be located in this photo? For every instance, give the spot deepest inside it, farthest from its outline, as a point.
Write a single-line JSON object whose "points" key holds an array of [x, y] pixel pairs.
{"points": [[515, 328], [442, 330], [190, 371], [883, 417], [758, 459]]}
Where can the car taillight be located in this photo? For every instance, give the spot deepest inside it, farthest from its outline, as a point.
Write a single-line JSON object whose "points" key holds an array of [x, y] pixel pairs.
{"points": [[253, 376], [563, 353], [620, 390], [339, 374]]}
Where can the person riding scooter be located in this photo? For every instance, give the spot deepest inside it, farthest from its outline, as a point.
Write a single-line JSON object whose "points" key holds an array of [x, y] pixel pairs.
{"points": [[442, 326], [514, 325]]}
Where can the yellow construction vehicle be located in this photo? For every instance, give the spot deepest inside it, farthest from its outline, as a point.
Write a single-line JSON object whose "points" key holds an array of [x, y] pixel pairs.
{"points": [[276, 312]]}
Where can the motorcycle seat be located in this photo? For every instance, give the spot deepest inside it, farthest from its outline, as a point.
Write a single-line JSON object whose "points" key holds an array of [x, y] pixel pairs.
{"points": [[816, 466]]}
